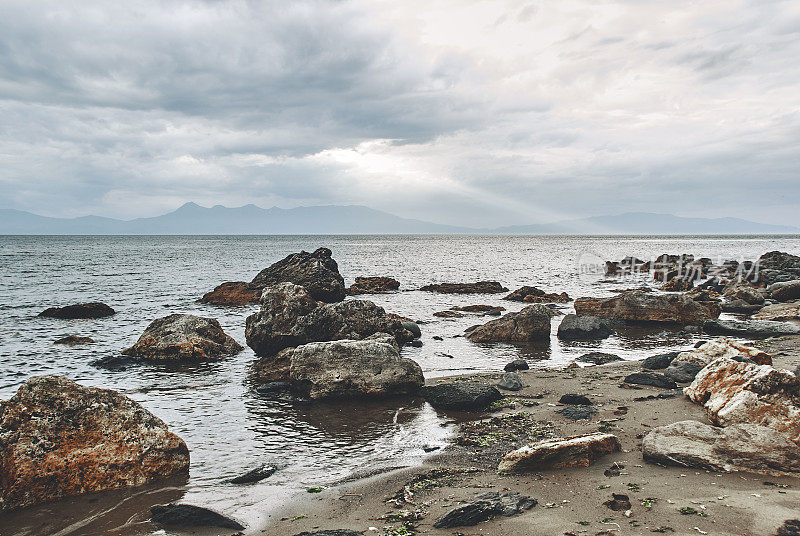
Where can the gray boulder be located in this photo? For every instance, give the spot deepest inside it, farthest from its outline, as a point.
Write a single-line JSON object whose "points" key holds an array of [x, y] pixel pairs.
{"points": [[652, 379], [290, 317], [461, 396], [511, 381], [739, 447], [756, 329], [317, 272], [659, 361], [682, 371], [574, 327], [183, 337], [530, 324]]}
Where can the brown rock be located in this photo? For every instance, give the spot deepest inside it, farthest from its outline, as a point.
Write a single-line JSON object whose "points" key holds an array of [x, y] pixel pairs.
{"points": [[529, 294], [448, 314], [373, 285], [577, 451], [58, 439], [180, 336], [637, 306], [232, 294], [478, 308], [779, 312], [530, 324], [677, 285], [73, 340], [481, 287]]}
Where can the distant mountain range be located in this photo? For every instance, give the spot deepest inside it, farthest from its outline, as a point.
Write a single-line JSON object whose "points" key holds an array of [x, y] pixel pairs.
{"points": [[192, 219]]}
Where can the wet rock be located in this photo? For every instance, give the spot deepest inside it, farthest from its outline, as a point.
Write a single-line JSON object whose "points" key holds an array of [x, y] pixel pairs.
{"points": [[529, 294], [511, 381], [411, 327], [373, 285], [73, 340], [232, 294], [619, 502], [255, 475], [486, 506], [739, 307], [708, 351], [481, 287], [273, 387], [530, 324], [677, 285], [184, 337], [659, 361], [740, 447], [448, 314], [478, 308], [416, 343], [652, 379], [578, 451], [437, 338], [790, 527], [494, 312], [345, 369], [188, 515], [461, 396], [756, 329], [779, 312], [577, 413], [317, 272], [59, 439], [574, 327], [79, 311], [517, 364], [472, 328], [682, 371], [637, 306], [575, 399], [290, 317], [785, 291], [737, 393], [598, 358]]}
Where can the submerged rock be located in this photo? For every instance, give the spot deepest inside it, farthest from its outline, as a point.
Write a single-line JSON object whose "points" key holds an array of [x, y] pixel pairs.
{"points": [[59, 439], [652, 379], [461, 396], [535, 295], [290, 317], [317, 272], [757, 329], [481, 287], [232, 294], [73, 340], [740, 447], [511, 381], [188, 515], [184, 337], [486, 506], [478, 308], [637, 306], [256, 474], [448, 314], [577, 451], [79, 311], [346, 369], [574, 327], [373, 285], [598, 358], [530, 324]]}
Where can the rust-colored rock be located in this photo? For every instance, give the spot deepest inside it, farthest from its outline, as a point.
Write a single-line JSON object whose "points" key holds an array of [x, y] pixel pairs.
{"points": [[723, 347], [373, 285], [530, 324], [59, 439], [677, 285], [232, 294], [733, 392], [184, 337], [577, 451], [481, 287], [637, 306]]}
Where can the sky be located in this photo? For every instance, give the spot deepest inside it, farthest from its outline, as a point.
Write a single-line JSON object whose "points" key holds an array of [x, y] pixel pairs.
{"points": [[468, 113]]}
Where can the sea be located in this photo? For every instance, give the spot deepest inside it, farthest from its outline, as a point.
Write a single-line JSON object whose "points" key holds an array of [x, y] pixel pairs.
{"points": [[228, 427]]}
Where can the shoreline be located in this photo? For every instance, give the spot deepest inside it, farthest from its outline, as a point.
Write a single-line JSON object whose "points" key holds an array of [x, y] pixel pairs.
{"points": [[570, 500]]}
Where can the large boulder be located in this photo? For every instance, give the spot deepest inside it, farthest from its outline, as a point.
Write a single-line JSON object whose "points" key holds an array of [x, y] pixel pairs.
{"points": [[373, 285], [184, 337], [785, 291], [461, 396], [777, 266], [574, 327], [723, 347], [755, 329], [779, 312], [638, 306], [58, 439], [734, 392], [742, 290], [578, 451], [79, 311], [530, 324], [317, 272], [345, 369], [289, 317], [480, 287], [232, 294], [740, 447], [536, 295]]}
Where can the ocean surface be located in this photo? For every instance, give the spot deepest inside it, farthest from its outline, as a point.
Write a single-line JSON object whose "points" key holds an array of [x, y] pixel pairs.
{"points": [[227, 426]]}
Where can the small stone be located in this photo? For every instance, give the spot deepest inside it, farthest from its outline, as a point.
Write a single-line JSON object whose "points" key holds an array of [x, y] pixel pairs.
{"points": [[652, 379], [577, 412], [598, 358], [511, 381], [575, 399], [72, 340], [517, 364], [188, 515], [618, 502], [255, 475]]}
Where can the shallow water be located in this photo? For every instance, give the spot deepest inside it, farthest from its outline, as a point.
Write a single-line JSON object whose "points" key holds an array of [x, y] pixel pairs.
{"points": [[229, 428]]}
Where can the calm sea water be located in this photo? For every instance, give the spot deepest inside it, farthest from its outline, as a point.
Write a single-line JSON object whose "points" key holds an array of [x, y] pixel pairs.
{"points": [[228, 427]]}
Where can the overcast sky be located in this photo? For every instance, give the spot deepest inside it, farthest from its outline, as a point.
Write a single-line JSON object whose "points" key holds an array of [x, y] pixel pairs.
{"points": [[473, 113]]}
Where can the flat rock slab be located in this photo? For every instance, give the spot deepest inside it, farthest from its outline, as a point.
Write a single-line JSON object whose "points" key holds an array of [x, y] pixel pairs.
{"points": [[779, 312], [188, 515], [638, 307], [578, 451], [373, 285], [739, 447], [757, 329], [486, 506], [577, 412], [652, 379], [598, 358], [79, 311], [458, 396], [723, 347], [71, 340], [480, 287]]}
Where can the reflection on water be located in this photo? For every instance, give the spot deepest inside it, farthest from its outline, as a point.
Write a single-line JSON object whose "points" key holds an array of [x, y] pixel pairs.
{"points": [[228, 427]]}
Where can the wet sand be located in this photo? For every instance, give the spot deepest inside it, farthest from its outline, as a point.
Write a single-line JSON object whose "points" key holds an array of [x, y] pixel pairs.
{"points": [[570, 500]]}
